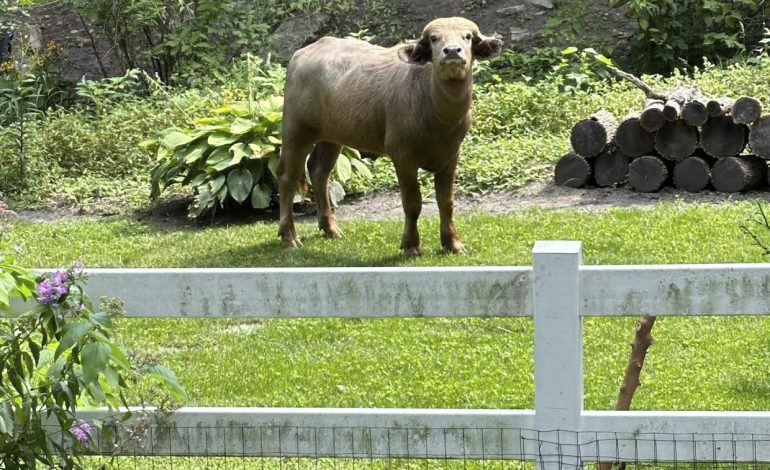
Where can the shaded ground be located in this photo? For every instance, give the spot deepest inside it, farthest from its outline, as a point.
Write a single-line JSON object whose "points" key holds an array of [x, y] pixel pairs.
{"points": [[171, 212]]}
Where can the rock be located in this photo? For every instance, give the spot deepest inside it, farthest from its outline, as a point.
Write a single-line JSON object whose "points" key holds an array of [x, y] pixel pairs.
{"points": [[513, 10], [548, 4], [519, 34], [296, 33]]}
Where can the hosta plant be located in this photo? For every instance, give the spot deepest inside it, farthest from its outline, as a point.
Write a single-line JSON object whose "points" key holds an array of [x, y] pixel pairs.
{"points": [[231, 158]]}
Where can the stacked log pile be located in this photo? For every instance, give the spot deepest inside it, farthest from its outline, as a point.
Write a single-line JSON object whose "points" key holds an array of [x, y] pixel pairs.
{"points": [[686, 140]]}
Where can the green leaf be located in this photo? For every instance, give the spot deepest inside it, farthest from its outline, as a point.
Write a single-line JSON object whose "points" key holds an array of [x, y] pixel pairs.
{"points": [[166, 377], [94, 357], [241, 126], [260, 196], [240, 182], [195, 154], [362, 168], [239, 150], [260, 149], [174, 139], [569, 50], [272, 164], [343, 168], [72, 334], [219, 139], [336, 192], [216, 184], [218, 160]]}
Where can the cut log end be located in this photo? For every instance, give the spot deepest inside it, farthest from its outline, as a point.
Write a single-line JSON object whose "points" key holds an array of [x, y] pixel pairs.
{"points": [[738, 174], [721, 137], [632, 139], [759, 137], [676, 140], [611, 168], [588, 138], [692, 174], [647, 174], [695, 113], [746, 110], [573, 171]]}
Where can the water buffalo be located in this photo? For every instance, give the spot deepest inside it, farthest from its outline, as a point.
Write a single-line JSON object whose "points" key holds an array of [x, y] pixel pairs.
{"points": [[411, 102]]}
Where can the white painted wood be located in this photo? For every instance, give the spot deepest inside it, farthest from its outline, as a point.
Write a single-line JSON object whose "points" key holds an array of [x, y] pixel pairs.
{"points": [[558, 346], [324, 432], [677, 435], [318, 292], [557, 290], [711, 289], [453, 434]]}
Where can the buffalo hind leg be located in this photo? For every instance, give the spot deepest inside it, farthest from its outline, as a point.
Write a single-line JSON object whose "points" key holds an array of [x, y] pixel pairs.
{"points": [[319, 166], [444, 184], [411, 200], [291, 168]]}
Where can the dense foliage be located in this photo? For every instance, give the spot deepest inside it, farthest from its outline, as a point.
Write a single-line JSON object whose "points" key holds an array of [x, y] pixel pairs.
{"points": [[675, 31], [56, 357]]}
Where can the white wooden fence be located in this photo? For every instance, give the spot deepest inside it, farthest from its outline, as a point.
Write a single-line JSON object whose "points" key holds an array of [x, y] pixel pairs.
{"points": [[557, 290]]}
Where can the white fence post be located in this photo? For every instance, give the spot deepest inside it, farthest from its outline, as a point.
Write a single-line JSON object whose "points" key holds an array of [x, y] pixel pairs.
{"points": [[558, 352]]}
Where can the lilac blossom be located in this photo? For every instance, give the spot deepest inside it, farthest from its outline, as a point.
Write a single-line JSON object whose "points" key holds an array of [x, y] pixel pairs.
{"points": [[82, 431], [53, 288]]}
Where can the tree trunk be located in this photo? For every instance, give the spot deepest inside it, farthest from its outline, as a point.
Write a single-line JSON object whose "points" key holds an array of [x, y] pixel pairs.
{"points": [[642, 341], [573, 171], [676, 140], [746, 110], [759, 137], [695, 113], [632, 139], [692, 174], [590, 136], [721, 137], [718, 107], [736, 174], [611, 168], [648, 174], [652, 118]]}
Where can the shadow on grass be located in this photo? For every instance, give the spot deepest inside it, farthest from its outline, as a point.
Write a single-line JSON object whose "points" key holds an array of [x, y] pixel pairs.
{"points": [[316, 250]]}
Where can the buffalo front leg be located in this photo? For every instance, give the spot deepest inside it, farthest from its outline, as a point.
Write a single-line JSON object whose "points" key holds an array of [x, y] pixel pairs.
{"points": [[291, 167], [319, 166], [411, 200], [444, 183]]}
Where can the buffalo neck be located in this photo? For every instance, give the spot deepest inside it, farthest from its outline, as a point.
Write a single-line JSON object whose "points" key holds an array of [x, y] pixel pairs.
{"points": [[451, 99]]}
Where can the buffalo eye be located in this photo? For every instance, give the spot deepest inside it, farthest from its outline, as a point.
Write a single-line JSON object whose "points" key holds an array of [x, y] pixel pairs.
{"points": [[468, 37], [433, 38]]}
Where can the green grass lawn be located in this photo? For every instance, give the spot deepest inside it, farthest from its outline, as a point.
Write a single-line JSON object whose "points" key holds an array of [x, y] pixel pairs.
{"points": [[696, 363]]}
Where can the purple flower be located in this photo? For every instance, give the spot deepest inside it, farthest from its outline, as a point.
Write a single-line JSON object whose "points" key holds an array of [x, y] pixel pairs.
{"points": [[50, 290], [82, 431], [78, 266]]}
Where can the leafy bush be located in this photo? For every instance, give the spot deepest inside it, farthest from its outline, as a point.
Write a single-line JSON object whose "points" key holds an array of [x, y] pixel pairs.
{"points": [[55, 358], [671, 31], [233, 157]]}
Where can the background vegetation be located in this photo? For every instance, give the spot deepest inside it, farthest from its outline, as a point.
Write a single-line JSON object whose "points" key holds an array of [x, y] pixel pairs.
{"points": [[78, 144]]}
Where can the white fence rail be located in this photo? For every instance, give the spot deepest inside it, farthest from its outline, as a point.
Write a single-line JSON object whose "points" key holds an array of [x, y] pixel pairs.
{"points": [[557, 290]]}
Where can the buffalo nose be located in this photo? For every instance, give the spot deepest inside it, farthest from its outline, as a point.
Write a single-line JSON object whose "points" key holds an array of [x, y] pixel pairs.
{"points": [[452, 50]]}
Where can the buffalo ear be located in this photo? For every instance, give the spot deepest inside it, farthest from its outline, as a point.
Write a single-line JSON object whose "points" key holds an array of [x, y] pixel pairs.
{"points": [[415, 52], [486, 48]]}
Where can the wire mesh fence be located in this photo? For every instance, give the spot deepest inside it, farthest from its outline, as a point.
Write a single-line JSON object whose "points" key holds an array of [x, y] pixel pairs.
{"points": [[290, 447]]}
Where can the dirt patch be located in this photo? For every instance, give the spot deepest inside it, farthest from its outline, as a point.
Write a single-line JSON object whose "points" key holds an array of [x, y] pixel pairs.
{"points": [[385, 205], [170, 213]]}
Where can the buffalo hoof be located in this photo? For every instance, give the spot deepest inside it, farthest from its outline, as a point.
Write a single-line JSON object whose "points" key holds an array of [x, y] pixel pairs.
{"points": [[413, 252], [333, 232], [291, 241], [456, 247]]}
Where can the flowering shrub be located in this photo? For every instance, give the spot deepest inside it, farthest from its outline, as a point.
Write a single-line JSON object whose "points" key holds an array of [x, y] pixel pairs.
{"points": [[55, 358]]}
